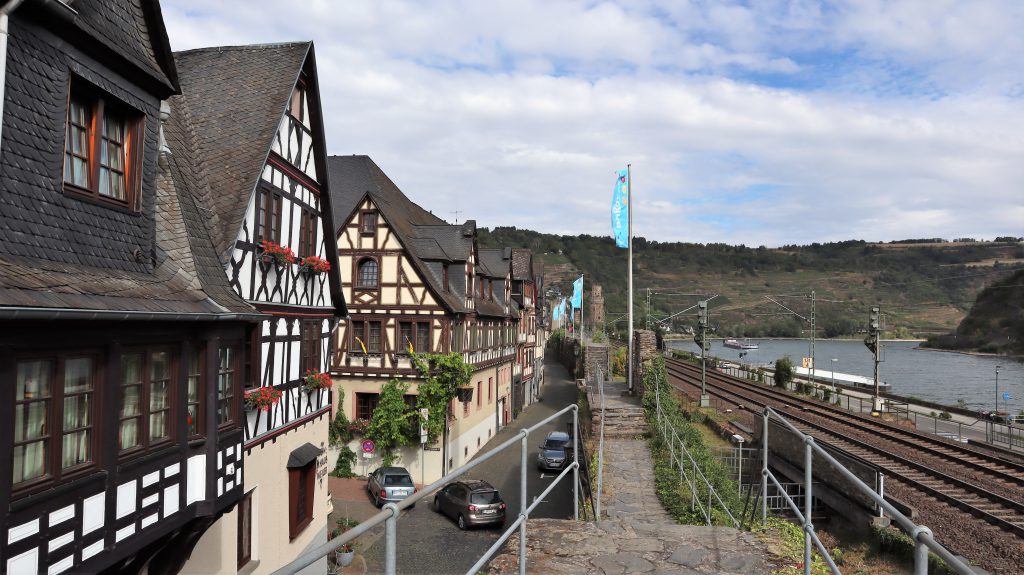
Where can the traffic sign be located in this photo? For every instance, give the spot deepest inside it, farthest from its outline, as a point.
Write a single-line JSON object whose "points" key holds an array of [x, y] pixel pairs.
{"points": [[367, 446], [1006, 396]]}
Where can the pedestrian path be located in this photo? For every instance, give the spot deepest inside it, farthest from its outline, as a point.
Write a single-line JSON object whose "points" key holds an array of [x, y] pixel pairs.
{"points": [[635, 534]]}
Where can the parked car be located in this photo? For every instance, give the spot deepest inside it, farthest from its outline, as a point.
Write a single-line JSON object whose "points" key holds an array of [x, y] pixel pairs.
{"points": [[471, 502], [389, 484], [554, 452]]}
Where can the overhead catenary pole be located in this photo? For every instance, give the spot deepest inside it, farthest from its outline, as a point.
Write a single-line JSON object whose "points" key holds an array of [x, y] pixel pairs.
{"points": [[814, 382], [629, 264]]}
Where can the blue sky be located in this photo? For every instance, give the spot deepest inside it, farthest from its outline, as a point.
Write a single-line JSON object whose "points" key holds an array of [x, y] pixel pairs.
{"points": [[764, 122]]}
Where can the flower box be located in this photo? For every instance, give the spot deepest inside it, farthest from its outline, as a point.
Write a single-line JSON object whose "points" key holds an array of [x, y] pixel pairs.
{"points": [[315, 380], [314, 265], [262, 398], [275, 254]]}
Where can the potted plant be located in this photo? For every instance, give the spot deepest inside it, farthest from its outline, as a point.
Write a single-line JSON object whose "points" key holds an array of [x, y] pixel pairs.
{"points": [[262, 398], [344, 555], [275, 254], [314, 265], [315, 380]]}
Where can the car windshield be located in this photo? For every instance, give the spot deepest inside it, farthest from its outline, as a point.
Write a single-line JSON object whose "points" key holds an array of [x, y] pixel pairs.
{"points": [[555, 444], [397, 480], [484, 497]]}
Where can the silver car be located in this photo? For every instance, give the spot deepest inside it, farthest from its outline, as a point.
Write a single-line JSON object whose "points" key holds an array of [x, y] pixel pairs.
{"points": [[554, 452], [389, 484]]}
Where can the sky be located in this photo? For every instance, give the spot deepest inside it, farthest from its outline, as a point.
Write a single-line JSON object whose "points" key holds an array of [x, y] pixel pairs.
{"points": [[758, 122]]}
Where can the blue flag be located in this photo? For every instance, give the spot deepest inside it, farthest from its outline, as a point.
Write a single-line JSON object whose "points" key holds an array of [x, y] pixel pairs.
{"points": [[577, 293], [620, 203]]}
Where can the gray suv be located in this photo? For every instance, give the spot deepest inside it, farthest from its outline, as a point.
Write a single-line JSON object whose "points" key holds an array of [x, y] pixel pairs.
{"points": [[471, 502], [389, 484], [554, 452]]}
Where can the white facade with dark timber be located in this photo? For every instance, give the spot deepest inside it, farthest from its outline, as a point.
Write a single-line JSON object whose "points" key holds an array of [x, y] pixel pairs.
{"points": [[417, 283], [273, 223]]}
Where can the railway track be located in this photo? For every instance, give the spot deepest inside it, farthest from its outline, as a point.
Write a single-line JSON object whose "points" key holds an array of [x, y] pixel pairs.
{"points": [[985, 486]]}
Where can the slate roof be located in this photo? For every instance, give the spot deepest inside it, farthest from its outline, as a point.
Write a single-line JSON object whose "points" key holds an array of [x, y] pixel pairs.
{"points": [[133, 29], [235, 97], [522, 261], [429, 240], [493, 263]]}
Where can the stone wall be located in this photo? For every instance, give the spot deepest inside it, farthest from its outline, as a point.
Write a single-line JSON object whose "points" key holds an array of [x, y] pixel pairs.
{"points": [[598, 359], [645, 348]]}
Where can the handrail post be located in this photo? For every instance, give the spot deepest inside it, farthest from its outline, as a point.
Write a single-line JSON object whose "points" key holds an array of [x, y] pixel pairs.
{"points": [[808, 526], [764, 469], [920, 550], [523, 503], [391, 540], [576, 470]]}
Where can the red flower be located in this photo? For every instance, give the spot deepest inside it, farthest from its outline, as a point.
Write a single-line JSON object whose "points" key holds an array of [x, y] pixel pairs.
{"points": [[315, 380], [262, 398], [315, 265], [277, 254]]}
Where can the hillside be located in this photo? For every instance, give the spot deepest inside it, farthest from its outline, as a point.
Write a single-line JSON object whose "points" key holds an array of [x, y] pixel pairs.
{"points": [[995, 324], [922, 288]]}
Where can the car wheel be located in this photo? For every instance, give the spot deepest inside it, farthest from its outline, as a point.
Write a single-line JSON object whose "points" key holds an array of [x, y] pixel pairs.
{"points": [[462, 522], [436, 506], [376, 501]]}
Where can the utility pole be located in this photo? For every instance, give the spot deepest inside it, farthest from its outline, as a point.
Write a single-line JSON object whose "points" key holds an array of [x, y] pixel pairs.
{"points": [[702, 341], [814, 382], [874, 343], [647, 325]]}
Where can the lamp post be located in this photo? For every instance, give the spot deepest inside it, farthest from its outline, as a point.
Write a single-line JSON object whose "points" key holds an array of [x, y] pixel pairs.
{"points": [[834, 360], [998, 367]]}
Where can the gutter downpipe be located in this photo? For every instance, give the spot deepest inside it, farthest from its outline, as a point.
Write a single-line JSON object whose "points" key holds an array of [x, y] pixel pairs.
{"points": [[5, 13]]}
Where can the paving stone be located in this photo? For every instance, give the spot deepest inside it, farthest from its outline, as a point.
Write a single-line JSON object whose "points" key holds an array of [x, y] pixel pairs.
{"points": [[636, 535], [615, 563]]}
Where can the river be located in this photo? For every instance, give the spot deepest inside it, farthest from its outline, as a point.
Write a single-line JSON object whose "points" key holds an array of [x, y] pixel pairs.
{"points": [[939, 376]]}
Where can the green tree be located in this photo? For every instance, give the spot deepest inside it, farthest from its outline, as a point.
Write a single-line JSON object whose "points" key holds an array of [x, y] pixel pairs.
{"points": [[389, 428], [443, 375], [783, 371]]}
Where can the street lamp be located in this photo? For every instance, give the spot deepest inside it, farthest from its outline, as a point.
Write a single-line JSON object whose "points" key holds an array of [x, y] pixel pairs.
{"points": [[998, 367], [834, 360]]}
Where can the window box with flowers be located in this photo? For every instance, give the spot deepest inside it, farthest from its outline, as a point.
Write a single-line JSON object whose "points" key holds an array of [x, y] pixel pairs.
{"points": [[313, 265], [315, 380], [262, 398], [359, 426], [275, 254]]}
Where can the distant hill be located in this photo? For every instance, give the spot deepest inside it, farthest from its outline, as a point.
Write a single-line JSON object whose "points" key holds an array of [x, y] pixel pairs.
{"points": [[923, 286], [996, 322]]}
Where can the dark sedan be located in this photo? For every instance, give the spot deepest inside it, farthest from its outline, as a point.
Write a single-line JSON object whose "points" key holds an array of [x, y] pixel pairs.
{"points": [[471, 502]]}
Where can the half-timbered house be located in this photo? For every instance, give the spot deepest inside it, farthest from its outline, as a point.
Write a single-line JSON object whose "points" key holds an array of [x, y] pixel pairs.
{"points": [[122, 343], [249, 117], [528, 356], [416, 284]]}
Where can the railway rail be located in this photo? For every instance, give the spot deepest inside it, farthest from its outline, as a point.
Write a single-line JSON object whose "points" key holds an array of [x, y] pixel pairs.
{"points": [[986, 486]]}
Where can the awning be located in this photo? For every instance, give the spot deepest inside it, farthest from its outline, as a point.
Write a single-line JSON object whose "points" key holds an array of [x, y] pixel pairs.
{"points": [[303, 455]]}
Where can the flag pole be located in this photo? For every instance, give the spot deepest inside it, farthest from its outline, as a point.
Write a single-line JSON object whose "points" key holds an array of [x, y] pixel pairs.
{"points": [[629, 263]]}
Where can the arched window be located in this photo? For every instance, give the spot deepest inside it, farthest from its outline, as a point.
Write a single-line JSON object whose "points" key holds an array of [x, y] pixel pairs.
{"points": [[368, 273]]}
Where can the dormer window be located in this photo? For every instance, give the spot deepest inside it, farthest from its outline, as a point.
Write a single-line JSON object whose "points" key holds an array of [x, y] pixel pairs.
{"points": [[102, 149], [368, 223], [368, 274], [444, 277]]}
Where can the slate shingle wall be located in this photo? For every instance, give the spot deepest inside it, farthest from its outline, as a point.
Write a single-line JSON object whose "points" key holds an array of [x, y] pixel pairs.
{"points": [[38, 220]]}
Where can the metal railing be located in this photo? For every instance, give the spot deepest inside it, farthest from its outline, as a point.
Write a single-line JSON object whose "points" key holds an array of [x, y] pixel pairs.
{"points": [[922, 536], [390, 512], [684, 461]]}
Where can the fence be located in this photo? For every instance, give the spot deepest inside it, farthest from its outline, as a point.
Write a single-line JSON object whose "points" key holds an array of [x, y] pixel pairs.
{"points": [[689, 471], [921, 535], [389, 514]]}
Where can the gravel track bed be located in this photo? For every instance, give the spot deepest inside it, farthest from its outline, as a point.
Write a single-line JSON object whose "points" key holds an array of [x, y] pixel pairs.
{"points": [[992, 548]]}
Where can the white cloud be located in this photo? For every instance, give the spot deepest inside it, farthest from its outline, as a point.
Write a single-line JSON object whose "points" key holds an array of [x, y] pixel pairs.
{"points": [[518, 113]]}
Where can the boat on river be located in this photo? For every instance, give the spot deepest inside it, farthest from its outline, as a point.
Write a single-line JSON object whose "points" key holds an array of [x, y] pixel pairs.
{"points": [[739, 345]]}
